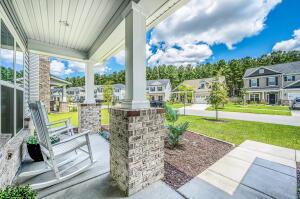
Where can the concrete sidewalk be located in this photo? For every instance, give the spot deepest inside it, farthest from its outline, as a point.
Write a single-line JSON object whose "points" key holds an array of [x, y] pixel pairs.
{"points": [[274, 119], [252, 170]]}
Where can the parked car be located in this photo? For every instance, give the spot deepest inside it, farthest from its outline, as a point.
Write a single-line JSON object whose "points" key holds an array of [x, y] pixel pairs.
{"points": [[296, 104], [157, 103]]}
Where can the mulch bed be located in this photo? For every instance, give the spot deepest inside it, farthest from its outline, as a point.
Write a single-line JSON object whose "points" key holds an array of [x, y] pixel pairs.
{"points": [[195, 154], [298, 179]]}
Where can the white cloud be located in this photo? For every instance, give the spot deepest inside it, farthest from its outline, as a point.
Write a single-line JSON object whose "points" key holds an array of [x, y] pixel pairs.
{"points": [[214, 22], [57, 67], [189, 54], [120, 57], [291, 44], [76, 66]]}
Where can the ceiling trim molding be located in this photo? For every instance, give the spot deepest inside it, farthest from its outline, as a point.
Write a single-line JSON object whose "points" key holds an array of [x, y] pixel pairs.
{"points": [[38, 47]]}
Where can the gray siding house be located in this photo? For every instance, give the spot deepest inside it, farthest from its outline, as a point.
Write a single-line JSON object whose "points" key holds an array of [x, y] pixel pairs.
{"points": [[274, 84], [159, 89]]}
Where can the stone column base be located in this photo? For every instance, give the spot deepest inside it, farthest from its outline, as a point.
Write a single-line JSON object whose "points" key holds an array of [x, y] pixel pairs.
{"points": [[136, 147], [89, 117], [63, 107]]}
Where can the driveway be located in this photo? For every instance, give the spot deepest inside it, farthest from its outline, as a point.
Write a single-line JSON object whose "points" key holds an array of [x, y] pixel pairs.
{"points": [[199, 110]]}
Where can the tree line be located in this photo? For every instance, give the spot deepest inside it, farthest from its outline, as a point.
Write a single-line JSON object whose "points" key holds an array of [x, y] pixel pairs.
{"points": [[233, 70]]}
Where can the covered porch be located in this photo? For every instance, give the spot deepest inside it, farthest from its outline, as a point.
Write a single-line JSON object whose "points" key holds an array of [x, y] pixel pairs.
{"points": [[91, 32]]}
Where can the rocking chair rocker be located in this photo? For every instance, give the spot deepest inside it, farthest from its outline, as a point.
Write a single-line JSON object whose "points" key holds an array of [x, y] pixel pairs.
{"points": [[51, 152]]}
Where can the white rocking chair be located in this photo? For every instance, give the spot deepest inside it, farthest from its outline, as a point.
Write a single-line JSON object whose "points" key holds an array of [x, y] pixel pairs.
{"points": [[58, 126], [51, 152]]}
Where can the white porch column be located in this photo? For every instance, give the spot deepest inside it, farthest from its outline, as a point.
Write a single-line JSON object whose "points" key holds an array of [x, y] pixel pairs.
{"points": [[64, 94], [135, 57], [89, 83]]}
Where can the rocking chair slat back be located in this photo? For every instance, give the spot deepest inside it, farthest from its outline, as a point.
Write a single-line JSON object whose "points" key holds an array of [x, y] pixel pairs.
{"points": [[40, 125]]}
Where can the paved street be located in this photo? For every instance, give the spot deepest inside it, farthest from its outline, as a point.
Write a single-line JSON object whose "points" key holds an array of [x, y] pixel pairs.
{"points": [[199, 110]]}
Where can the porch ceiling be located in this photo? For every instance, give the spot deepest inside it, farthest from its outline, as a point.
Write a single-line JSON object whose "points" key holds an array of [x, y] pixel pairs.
{"points": [[82, 29]]}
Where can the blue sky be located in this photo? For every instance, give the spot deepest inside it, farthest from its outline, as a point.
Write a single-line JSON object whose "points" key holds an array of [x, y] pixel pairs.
{"points": [[210, 30]]}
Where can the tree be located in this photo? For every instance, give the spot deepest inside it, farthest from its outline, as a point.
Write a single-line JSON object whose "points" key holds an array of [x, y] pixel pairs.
{"points": [[218, 95], [243, 93], [108, 93], [185, 93]]}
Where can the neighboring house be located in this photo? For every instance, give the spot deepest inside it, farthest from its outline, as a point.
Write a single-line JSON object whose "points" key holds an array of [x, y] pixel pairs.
{"points": [[159, 89], [56, 94], [76, 93], [275, 84], [58, 88], [118, 92], [201, 88]]}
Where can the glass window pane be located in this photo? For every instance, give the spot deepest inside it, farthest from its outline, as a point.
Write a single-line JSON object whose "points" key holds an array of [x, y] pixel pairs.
{"points": [[19, 66], [19, 110], [7, 54], [7, 110]]}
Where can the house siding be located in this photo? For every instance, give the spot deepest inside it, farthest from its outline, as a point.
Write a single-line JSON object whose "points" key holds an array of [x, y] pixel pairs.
{"points": [[263, 83]]}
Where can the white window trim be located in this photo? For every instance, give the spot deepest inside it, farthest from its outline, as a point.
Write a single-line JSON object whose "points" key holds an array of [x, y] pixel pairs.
{"points": [[13, 85], [251, 86]]}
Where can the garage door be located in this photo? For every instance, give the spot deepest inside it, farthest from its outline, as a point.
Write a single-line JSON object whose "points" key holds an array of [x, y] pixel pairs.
{"points": [[200, 100], [292, 96]]}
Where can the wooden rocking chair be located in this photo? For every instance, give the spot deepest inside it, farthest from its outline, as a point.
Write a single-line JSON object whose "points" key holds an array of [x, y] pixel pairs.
{"points": [[51, 152]]}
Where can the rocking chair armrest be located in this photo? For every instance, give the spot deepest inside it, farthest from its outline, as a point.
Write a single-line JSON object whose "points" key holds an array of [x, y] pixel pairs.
{"points": [[60, 121], [73, 137]]}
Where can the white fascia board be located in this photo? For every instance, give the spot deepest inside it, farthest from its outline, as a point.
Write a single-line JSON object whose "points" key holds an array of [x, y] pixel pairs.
{"points": [[112, 38], [38, 47]]}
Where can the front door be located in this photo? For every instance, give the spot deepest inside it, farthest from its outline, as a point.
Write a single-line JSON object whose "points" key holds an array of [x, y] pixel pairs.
{"points": [[272, 98]]}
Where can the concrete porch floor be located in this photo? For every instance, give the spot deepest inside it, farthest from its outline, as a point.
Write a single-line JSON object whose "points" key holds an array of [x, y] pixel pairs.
{"points": [[251, 170]]}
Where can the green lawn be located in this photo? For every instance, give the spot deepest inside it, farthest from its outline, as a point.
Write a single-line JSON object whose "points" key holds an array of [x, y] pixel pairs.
{"points": [[255, 108], [74, 116], [236, 131], [177, 105]]}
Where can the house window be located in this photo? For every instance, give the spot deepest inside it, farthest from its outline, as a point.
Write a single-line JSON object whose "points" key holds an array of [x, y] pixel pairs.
{"points": [[159, 88], [289, 78], [254, 97], [117, 90], [254, 83], [11, 84], [272, 81], [261, 71], [152, 89], [160, 98]]}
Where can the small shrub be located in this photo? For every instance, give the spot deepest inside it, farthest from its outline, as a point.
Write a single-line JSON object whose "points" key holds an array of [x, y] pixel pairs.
{"points": [[175, 130], [22, 192], [32, 140]]}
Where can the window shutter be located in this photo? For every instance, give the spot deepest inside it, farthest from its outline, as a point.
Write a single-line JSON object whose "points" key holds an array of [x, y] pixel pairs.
{"points": [[285, 78], [249, 82], [257, 82], [267, 82], [276, 80], [293, 78]]}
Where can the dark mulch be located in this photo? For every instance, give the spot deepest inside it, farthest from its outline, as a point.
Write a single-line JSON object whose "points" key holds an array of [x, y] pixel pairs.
{"points": [[195, 154], [298, 179]]}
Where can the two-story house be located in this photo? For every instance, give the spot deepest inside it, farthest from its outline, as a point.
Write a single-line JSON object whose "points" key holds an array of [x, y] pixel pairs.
{"points": [[76, 93], [274, 84], [201, 88], [118, 92], [159, 89]]}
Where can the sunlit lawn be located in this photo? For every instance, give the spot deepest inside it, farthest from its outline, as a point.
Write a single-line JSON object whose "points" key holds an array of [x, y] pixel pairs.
{"points": [[74, 117], [236, 131], [255, 108]]}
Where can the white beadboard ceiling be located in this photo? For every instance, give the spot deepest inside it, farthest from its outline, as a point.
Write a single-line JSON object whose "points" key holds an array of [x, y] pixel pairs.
{"points": [[86, 18], [91, 24]]}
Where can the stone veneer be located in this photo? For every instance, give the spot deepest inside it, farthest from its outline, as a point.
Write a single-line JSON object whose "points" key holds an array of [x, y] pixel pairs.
{"points": [[44, 81], [136, 147], [89, 117], [11, 155], [63, 107]]}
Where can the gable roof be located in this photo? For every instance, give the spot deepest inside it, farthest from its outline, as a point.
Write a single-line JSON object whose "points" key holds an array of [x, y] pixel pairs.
{"points": [[285, 68], [162, 82], [195, 83], [293, 85]]}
